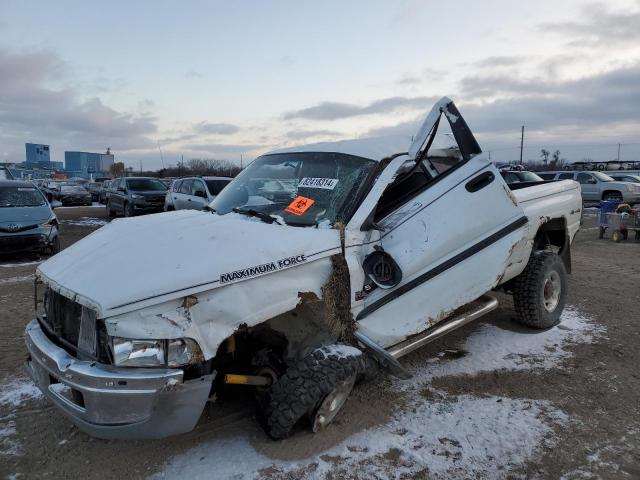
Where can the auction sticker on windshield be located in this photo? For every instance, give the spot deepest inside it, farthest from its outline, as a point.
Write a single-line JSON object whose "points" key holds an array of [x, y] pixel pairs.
{"points": [[300, 205], [315, 182]]}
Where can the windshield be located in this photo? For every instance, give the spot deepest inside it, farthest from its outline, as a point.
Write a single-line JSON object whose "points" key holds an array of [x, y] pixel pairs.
{"points": [[72, 189], [303, 188], [21, 197], [145, 184], [530, 177], [602, 177]]}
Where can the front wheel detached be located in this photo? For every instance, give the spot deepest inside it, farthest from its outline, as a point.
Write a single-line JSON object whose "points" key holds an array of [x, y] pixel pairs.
{"points": [[540, 291], [316, 386]]}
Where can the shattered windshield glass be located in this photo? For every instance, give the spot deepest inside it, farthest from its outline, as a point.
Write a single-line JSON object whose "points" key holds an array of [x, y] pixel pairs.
{"points": [[20, 197], [303, 189]]}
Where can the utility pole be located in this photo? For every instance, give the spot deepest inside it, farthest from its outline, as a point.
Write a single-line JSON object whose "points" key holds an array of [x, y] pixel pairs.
{"points": [[618, 152], [521, 144], [240, 161]]}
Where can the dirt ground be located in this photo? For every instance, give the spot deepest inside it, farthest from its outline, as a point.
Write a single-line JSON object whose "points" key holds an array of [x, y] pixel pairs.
{"points": [[595, 386]]}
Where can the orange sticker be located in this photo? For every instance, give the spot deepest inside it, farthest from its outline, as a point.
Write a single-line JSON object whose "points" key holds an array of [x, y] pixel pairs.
{"points": [[299, 205]]}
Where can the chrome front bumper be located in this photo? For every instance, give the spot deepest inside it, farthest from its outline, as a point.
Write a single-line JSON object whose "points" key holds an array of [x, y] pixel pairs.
{"points": [[110, 402]]}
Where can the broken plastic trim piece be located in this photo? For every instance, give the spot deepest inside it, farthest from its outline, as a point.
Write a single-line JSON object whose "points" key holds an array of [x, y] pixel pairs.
{"points": [[386, 361]]}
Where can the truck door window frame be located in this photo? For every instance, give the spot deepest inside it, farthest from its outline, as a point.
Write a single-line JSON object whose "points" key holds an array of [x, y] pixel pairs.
{"points": [[427, 173]]}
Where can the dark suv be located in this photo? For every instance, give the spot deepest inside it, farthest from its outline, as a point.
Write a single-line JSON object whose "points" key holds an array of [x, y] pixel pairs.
{"points": [[134, 195]]}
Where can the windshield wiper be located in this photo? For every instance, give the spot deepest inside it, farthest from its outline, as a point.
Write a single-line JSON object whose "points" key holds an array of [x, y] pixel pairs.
{"points": [[249, 212]]}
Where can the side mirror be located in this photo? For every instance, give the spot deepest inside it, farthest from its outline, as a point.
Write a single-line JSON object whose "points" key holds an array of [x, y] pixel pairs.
{"points": [[200, 193], [55, 204], [593, 181]]}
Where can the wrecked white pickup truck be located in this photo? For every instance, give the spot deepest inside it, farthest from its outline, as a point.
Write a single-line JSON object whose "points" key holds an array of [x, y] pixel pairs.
{"points": [[315, 266]]}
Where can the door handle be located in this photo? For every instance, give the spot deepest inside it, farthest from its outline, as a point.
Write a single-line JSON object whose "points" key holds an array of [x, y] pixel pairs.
{"points": [[480, 182], [188, 199]]}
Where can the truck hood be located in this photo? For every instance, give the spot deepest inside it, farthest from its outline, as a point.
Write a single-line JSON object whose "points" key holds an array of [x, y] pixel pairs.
{"points": [[166, 256]]}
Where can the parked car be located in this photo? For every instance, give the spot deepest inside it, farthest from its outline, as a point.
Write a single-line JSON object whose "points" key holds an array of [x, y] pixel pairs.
{"points": [[194, 193], [297, 296], [5, 174], [135, 195], [94, 188], [72, 195], [625, 177], [27, 221], [520, 176], [104, 191], [598, 186]]}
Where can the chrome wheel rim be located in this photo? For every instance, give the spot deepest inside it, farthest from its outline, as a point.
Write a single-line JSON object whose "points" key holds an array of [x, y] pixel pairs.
{"points": [[552, 287], [332, 403]]}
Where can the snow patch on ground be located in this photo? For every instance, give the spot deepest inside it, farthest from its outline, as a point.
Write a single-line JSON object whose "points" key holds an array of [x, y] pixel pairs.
{"points": [[86, 222], [8, 445], [341, 351], [464, 437], [93, 205], [18, 391], [493, 348], [23, 264], [444, 436], [23, 278]]}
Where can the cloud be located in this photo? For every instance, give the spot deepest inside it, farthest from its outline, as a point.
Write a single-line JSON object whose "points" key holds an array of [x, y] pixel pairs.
{"points": [[31, 109], [207, 128], [599, 26], [305, 134], [338, 110], [223, 149], [500, 61], [193, 74], [495, 107]]}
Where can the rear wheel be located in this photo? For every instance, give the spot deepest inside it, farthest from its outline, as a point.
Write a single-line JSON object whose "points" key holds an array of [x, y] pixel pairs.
{"points": [[540, 291], [317, 386], [128, 211], [613, 196]]}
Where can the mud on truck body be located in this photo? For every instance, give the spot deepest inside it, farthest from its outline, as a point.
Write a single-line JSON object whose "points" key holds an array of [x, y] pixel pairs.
{"points": [[316, 266]]}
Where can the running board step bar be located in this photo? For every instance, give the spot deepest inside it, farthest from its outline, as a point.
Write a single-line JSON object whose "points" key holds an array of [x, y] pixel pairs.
{"points": [[389, 358]]}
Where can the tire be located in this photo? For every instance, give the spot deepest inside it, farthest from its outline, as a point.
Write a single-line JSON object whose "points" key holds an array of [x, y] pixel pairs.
{"points": [[110, 211], [306, 384], [127, 210], [55, 248], [536, 298], [613, 196]]}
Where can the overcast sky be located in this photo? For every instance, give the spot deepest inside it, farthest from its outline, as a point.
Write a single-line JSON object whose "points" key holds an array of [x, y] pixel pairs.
{"points": [[220, 79]]}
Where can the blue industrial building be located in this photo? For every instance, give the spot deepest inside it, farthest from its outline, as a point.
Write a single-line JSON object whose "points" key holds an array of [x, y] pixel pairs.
{"points": [[87, 164], [37, 155]]}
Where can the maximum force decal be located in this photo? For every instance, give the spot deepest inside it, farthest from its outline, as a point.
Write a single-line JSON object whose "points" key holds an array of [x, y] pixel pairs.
{"points": [[261, 269]]}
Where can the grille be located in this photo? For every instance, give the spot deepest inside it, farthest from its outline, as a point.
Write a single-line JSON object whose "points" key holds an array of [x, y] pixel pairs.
{"points": [[72, 323]]}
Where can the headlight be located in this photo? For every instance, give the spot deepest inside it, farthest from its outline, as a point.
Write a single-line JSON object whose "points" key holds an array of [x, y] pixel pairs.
{"points": [[181, 351], [138, 353], [153, 353], [52, 222], [137, 197]]}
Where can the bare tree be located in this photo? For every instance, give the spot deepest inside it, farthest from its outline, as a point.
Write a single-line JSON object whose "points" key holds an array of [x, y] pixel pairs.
{"points": [[117, 170], [544, 154]]}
